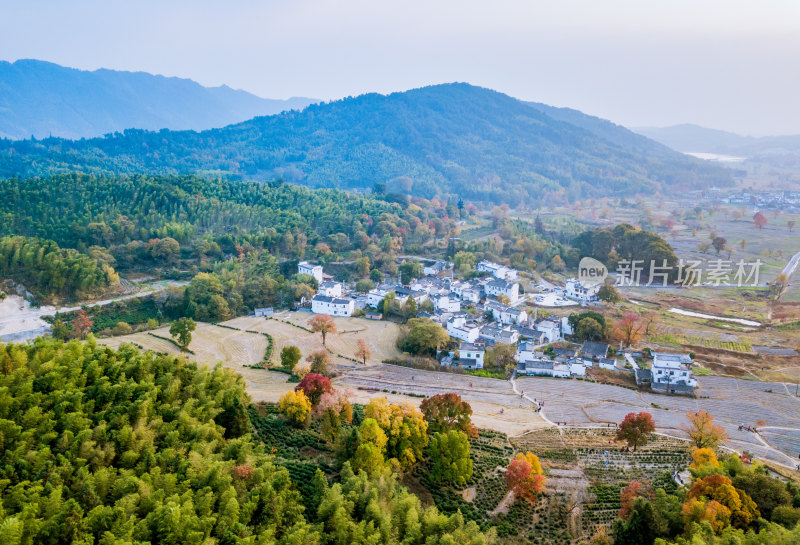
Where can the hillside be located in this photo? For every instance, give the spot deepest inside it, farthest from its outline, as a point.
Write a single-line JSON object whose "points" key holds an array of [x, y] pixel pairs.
{"points": [[774, 151], [41, 99], [443, 140], [694, 138]]}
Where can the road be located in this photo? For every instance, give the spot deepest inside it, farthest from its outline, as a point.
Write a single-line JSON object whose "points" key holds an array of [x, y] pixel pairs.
{"points": [[791, 266], [30, 319]]}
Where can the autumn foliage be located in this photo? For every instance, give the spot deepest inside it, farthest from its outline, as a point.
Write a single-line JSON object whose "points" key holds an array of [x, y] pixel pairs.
{"points": [[323, 324], [314, 386], [445, 412], [715, 500], [703, 432], [636, 489], [524, 476], [635, 428]]}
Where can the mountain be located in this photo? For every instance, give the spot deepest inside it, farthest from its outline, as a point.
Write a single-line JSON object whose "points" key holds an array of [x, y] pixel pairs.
{"points": [[694, 138], [776, 151], [442, 140], [41, 99]]}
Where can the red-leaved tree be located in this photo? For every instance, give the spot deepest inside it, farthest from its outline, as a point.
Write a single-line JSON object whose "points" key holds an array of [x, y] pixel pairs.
{"points": [[635, 429], [314, 385]]}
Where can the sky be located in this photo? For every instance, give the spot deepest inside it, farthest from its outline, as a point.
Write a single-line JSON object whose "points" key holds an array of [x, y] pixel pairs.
{"points": [[726, 64]]}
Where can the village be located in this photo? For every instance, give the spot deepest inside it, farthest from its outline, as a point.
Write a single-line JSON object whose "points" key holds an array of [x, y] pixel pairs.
{"points": [[490, 310]]}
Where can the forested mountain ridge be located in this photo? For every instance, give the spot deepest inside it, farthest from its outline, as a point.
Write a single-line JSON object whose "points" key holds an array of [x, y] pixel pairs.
{"points": [[444, 140], [41, 99]]}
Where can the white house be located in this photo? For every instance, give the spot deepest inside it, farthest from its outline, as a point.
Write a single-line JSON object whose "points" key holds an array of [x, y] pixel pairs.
{"points": [[507, 315], [472, 352], [500, 334], [331, 289], [459, 328], [375, 296], [576, 290], [550, 329], [497, 270], [566, 329], [443, 303], [304, 267], [322, 304], [672, 373], [432, 268], [498, 287], [526, 351]]}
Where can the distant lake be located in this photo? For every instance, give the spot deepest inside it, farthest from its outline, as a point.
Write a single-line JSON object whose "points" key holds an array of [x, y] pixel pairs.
{"points": [[716, 157]]}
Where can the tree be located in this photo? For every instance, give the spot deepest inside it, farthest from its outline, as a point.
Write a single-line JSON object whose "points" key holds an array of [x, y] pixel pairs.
{"points": [[450, 460], [766, 492], [702, 431], [590, 329], [790, 224], [524, 476], [719, 244], [716, 500], [181, 330], [423, 337], [323, 324], [447, 412], [364, 285], [296, 407], [405, 427], [502, 357], [759, 220], [122, 328], [234, 419], [372, 440], [363, 352], [59, 330], [320, 362], [635, 489], [82, 324], [629, 328], [649, 320], [333, 409], [704, 458], [639, 528], [635, 428], [409, 270], [314, 386], [290, 355], [609, 294]]}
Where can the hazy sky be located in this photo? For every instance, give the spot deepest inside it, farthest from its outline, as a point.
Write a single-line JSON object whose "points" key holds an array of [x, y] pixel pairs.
{"points": [[727, 64]]}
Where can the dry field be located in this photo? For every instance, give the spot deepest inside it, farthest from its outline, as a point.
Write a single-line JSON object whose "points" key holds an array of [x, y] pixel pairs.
{"points": [[494, 404], [380, 336]]}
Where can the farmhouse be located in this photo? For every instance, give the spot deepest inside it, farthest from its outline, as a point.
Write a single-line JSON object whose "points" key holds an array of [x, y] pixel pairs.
{"points": [[331, 289], [497, 270], [469, 356], [304, 267], [579, 292], [498, 287], [459, 328], [507, 315], [671, 374], [322, 304]]}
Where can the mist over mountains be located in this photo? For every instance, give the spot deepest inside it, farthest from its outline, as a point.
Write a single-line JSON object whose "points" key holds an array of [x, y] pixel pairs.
{"points": [[42, 99]]}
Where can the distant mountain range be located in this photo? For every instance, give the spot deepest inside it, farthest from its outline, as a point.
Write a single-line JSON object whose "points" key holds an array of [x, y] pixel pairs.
{"points": [[443, 140], [42, 99], [782, 151]]}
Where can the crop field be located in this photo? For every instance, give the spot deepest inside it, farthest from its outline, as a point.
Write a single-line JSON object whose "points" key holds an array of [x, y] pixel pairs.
{"points": [[588, 469], [701, 341]]}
